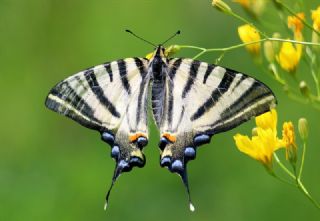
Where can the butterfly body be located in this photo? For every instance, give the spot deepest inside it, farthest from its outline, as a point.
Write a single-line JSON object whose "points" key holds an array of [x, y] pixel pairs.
{"points": [[190, 101]]}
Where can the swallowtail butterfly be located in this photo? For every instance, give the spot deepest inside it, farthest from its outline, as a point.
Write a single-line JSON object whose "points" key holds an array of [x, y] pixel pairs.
{"points": [[190, 100]]}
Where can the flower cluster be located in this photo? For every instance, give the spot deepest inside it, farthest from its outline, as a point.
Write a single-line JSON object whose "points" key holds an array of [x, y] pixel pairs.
{"points": [[265, 141], [284, 55], [283, 58]]}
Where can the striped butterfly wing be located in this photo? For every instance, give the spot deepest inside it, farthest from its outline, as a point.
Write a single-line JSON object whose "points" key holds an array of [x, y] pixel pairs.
{"points": [[203, 100], [112, 99]]}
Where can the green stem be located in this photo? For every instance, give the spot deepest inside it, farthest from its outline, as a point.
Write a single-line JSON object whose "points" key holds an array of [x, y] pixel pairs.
{"points": [[302, 159], [246, 21], [276, 75], [316, 81], [295, 15], [206, 50], [303, 189], [296, 98], [283, 167], [300, 185], [281, 180]]}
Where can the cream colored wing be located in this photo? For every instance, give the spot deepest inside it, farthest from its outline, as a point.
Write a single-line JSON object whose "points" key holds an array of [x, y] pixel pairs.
{"points": [[112, 99], [202, 100]]}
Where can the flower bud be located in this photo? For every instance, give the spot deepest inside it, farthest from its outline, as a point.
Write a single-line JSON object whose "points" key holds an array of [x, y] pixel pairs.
{"points": [[249, 34], [303, 128], [288, 137], [315, 39], [273, 70], [304, 88], [268, 51], [221, 6], [172, 49], [276, 44], [254, 131]]}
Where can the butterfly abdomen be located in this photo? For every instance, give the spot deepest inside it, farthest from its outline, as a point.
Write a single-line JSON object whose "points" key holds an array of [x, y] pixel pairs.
{"points": [[158, 90]]}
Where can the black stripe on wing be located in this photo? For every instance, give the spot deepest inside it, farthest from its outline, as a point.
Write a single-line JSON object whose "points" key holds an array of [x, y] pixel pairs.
{"points": [[215, 95], [172, 73], [259, 98], [208, 72], [62, 96], [192, 76], [107, 66], [123, 75], [99, 93], [143, 87]]}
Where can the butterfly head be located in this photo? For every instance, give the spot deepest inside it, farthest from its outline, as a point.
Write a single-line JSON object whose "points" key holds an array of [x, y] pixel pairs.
{"points": [[160, 51], [159, 55]]}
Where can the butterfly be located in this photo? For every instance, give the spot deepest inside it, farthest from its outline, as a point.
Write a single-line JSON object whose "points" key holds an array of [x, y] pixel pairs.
{"points": [[190, 102]]}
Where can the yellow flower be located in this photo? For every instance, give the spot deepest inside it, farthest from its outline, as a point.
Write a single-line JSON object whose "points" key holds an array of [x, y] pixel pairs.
{"points": [[247, 34], [289, 56], [268, 120], [316, 25], [150, 55], [243, 3], [288, 139], [288, 134], [316, 18], [262, 145], [295, 23], [254, 7]]}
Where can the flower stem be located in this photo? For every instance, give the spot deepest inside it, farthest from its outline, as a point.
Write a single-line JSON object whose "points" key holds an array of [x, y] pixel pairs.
{"points": [[283, 167], [281, 180], [300, 185], [206, 50], [316, 81], [246, 21], [303, 189], [302, 159]]}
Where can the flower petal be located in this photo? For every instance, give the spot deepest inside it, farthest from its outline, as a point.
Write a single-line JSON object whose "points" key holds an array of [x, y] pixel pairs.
{"points": [[268, 120]]}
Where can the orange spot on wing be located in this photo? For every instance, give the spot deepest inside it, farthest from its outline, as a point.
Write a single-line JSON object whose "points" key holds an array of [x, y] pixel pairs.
{"points": [[135, 137], [170, 137]]}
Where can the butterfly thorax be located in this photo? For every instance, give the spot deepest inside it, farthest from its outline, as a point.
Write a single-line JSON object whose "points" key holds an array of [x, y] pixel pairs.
{"points": [[158, 64]]}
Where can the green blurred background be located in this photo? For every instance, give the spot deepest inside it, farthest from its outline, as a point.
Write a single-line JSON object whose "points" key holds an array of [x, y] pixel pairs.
{"points": [[53, 169]]}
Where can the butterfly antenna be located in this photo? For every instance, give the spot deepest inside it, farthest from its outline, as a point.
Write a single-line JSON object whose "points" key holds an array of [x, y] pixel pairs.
{"points": [[140, 38], [184, 177], [116, 174], [174, 35]]}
